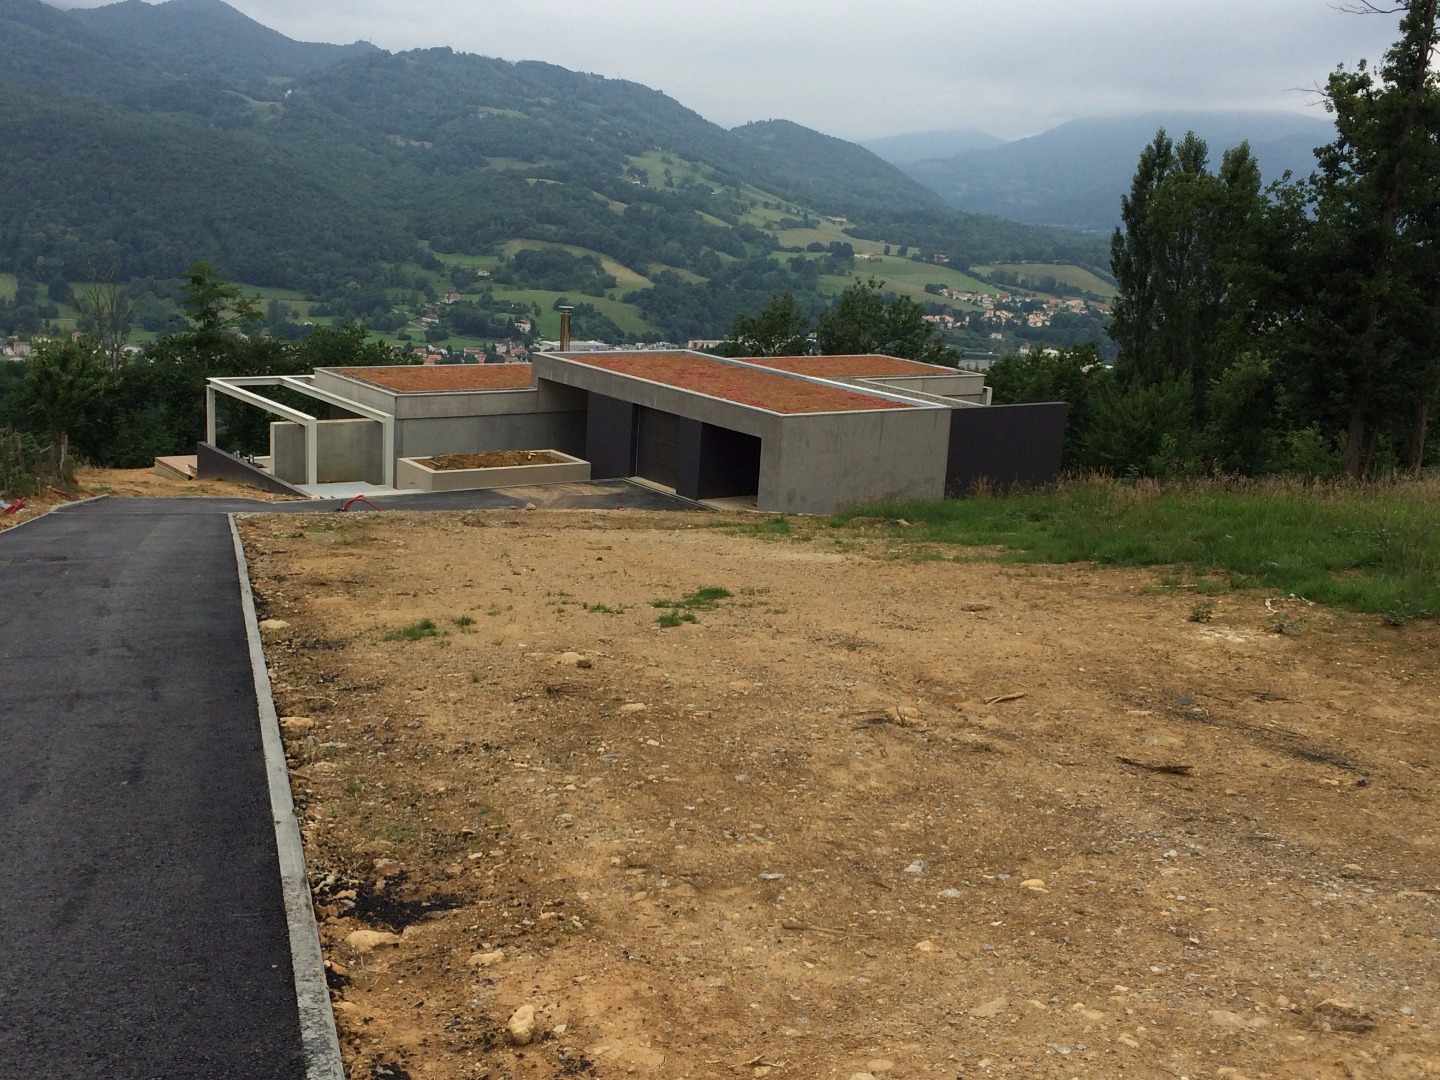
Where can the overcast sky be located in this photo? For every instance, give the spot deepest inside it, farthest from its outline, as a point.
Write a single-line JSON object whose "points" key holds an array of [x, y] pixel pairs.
{"points": [[859, 70]]}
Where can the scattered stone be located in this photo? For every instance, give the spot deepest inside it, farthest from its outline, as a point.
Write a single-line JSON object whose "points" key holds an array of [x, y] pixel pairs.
{"points": [[574, 659], [349, 1008], [296, 723], [1128, 1040], [487, 959], [274, 624], [1237, 1021], [633, 707], [521, 1028], [951, 894], [916, 867], [772, 877], [1334, 1014], [925, 946], [529, 506], [1034, 885], [990, 1009], [376, 847], [364, 941]]}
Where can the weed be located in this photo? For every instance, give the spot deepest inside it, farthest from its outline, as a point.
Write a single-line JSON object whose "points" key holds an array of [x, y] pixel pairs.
{"points": [[425, 628], [474, 676], [463, 621], [683, 610], [1202, 612], [604, 609], [1367, 547], [352, 786]]}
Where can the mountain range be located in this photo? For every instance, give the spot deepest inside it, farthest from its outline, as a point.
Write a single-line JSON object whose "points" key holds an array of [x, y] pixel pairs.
{"points": [[1074, 175]]}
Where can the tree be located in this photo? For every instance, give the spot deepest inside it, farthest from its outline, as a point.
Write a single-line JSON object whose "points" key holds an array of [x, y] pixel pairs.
{"points": [[216, 310], [861, 321], [1178, 312], [64, 381], [105, 313], [781, 329], [1371, 234]]}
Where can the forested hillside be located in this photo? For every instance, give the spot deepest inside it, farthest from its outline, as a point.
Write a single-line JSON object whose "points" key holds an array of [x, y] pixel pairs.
{"points": [[141, 138]]}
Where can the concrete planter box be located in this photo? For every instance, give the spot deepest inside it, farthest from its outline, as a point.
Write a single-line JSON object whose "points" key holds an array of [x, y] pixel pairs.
{"points": [[410, 473]]}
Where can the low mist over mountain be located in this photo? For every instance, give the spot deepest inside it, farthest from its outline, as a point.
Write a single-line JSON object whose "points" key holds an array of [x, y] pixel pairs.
{"points": [[1075, 174], [927, 145]]}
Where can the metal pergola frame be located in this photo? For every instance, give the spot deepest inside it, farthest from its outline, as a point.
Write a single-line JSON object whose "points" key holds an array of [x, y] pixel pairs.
{"points": [[235, 386]]}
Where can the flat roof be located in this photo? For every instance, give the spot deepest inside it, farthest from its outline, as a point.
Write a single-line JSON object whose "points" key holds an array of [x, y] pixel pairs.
{"points": [[742, 384], [870, 366], [443, 378]]}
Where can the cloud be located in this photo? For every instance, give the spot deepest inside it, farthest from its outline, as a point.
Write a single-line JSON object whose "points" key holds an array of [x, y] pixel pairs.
{"points": [[857, 69]]}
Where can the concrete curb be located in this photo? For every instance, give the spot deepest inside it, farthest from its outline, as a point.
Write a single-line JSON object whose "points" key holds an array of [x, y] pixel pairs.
{"points": [[52, 510], [319, 1041]]}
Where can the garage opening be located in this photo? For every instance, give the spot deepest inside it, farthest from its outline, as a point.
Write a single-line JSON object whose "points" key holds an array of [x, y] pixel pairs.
{"points": [[657, 448]]}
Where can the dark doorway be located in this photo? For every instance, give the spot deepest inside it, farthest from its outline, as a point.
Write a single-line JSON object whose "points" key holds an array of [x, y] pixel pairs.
{"points": [[729, 464], [657, 450]]}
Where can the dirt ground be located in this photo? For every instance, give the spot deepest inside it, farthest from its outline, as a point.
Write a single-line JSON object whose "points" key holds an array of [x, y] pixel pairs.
{"points": [[492, 459], [134, 483], [868, 815]]}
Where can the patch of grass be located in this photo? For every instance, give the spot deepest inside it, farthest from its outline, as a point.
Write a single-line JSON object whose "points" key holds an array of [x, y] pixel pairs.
{"points": [[1202, 612], [604, 609], [425, 628], [1370, 547], [463, 621], [683, 610]]}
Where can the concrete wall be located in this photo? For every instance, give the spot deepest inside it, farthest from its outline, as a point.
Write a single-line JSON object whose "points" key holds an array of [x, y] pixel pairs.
{"points": [[349, 450], [410, 473], [1005, 446], [821, 464], [967, 385], [610, 437], [212, 463], [428, 436]]}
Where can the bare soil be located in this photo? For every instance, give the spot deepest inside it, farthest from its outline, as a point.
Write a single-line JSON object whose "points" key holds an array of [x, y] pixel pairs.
{"points": [[493, 459], [868, 815]]}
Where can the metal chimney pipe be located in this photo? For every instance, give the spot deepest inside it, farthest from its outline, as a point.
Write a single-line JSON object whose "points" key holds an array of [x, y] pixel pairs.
{"points": [[565, 311]]}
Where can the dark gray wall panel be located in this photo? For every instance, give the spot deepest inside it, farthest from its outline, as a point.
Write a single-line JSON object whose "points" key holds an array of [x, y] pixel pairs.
{"points": [[1005, 446]]}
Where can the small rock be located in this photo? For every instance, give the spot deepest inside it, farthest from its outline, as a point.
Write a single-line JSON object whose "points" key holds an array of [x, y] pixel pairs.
{"points": [[1336, 1015], [376, 847], [633, 707], [364, 941], [274, 624], [1237, 1021], [916, 867], [925, 946], [573, 659], [349, 1008], [296, 723], [584, 662], [880, 1065], [521, 1028], [1128, 1040], [772, 877], [990, 1009], [1034, 885], [529, 506], [951, 894], [487, 959]]}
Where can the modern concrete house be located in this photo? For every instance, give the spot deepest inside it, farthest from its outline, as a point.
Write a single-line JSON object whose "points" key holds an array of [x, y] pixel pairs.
{"points": [[805, 434]]}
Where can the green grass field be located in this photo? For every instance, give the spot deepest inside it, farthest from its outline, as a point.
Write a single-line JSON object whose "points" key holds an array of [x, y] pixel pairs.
{"points": [[1370, 548], [1075, 276], [8, 285], [627, 317], [627, 277], [905, 278]]}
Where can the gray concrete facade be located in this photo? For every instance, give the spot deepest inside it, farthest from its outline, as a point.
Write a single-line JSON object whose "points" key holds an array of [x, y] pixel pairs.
{"points": [[810, 463], [347, 450]]}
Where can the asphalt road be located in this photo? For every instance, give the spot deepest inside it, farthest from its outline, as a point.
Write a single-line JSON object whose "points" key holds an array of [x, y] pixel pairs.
{"points": [[142, 932]]}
